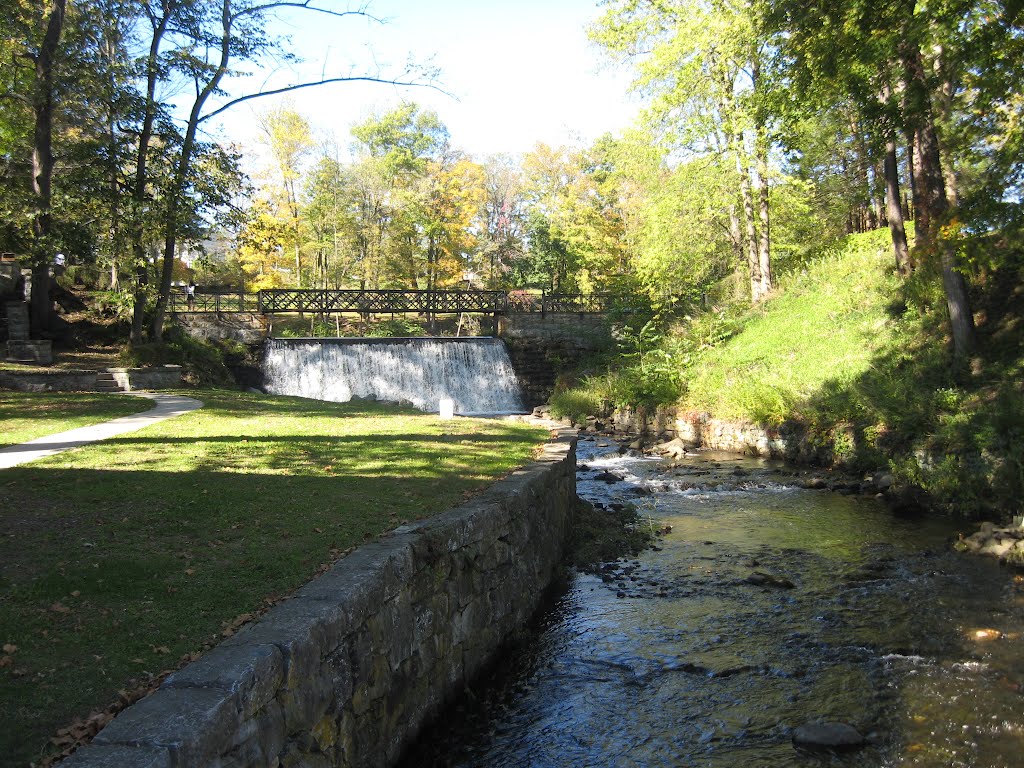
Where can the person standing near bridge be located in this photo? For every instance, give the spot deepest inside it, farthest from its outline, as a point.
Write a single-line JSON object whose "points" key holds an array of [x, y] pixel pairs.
{"points": [[190, 295]]}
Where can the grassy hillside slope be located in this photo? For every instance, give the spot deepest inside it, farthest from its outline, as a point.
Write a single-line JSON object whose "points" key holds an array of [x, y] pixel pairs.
{"points": [[860, 357], [822, 332]]}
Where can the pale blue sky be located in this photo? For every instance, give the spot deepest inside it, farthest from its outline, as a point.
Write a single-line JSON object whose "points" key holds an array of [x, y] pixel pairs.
{"points": [[522, 71]]}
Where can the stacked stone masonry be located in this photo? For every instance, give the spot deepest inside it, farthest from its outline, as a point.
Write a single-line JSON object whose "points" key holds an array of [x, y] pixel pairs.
{"points": [[347, 670], [127, 379], [20, 348], [243, 327], [540, 346], [790, 441]]}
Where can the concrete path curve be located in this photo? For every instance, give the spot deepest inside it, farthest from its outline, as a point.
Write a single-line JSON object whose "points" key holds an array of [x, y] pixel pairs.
{"points": [[166, 407]]}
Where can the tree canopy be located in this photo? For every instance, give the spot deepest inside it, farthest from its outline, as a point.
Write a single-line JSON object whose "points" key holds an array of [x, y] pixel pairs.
{"points": [[770, 125]]}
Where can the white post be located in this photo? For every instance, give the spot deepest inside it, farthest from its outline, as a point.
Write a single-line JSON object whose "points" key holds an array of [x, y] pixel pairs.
{"points": [[447, 408]]}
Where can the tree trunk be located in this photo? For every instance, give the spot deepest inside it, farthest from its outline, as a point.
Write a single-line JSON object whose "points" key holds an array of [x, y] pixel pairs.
{"points": [[944, 108], [922, 217], [894, 210], [878, 194], [749, 229], [41, 309], [934, 202], [171, 222], [764, 263], [913, 206], [138, 233]]}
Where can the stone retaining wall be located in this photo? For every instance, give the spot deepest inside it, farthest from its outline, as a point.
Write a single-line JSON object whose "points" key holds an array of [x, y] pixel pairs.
{"points": [[48, 381], [540, 346], [164, 377], [790, 441], [243, 327], [53, 380], [347, 671]]}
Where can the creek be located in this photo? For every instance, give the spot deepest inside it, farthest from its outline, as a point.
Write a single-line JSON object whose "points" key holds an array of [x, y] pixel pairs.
{"points": [[767, 606]]}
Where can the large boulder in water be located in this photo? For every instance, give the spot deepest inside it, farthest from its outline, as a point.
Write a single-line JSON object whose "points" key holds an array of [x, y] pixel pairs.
{"points": [[838, 736], [762, 579]]}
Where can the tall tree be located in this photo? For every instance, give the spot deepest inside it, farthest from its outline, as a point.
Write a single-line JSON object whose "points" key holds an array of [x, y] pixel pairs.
{"points": [[36, 31], [290, 139], [395, 150], [502, 222], [701, 64], [219, 35], [876, 55], [159, 16]]}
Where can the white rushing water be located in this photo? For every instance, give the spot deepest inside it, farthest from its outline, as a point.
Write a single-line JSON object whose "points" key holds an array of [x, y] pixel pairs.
{"points": [[475, 373]]}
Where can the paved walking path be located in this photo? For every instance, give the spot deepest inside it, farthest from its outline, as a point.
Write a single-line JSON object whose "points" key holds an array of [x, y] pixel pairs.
{"points": [[166, 407]]}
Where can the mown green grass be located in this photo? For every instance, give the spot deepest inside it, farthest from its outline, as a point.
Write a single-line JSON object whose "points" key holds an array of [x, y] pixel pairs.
{"points": [[119, 558], [28, 415]]}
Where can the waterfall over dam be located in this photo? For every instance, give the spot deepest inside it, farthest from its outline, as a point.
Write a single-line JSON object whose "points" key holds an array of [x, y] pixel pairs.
{"points": [[473, 372]]}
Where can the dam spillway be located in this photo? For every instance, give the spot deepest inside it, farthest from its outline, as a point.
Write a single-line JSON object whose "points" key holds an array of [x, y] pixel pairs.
{"points": [[475, 373]]}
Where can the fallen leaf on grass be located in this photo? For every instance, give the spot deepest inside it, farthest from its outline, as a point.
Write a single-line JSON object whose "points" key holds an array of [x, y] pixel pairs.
{"points": [[161, 649], [190, 571], [230, 627], [6, 661], [10, 648], [60, 608], [81, 732]]}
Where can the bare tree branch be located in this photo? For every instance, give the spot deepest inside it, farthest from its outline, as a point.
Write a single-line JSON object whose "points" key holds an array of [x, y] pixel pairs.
{"points": [[308, 6], [297, 86]]}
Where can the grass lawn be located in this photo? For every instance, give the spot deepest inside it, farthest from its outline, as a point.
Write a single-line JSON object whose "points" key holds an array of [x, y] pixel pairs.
{"points": [[823, 331], [28, 415], [118, 559]]}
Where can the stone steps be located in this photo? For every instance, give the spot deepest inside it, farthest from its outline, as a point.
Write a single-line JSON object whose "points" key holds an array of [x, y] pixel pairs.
{"points": [[105, 382]]}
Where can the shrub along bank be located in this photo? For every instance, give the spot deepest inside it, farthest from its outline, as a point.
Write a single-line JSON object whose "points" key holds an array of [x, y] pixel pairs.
{"points": [[858, 358]]}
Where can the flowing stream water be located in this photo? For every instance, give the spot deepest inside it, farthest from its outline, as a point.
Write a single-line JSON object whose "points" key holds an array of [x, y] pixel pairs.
{"points": [[677, 658], [475, 373]]}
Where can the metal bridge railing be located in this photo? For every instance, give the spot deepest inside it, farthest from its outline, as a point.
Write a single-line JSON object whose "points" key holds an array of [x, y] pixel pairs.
{"points": [[381, 301], [323, 301], [214, 302]]}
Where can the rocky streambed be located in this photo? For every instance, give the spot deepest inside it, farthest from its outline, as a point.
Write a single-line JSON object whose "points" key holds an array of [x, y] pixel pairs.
{"points": [[775, 623]]}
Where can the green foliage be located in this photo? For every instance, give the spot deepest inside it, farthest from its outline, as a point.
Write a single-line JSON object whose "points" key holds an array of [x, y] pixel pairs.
{"points": [[117, 304], [604, 535], [819, 334], [643, 370], [577, 403], [857, 356], [203, 362], [396, 327]]}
